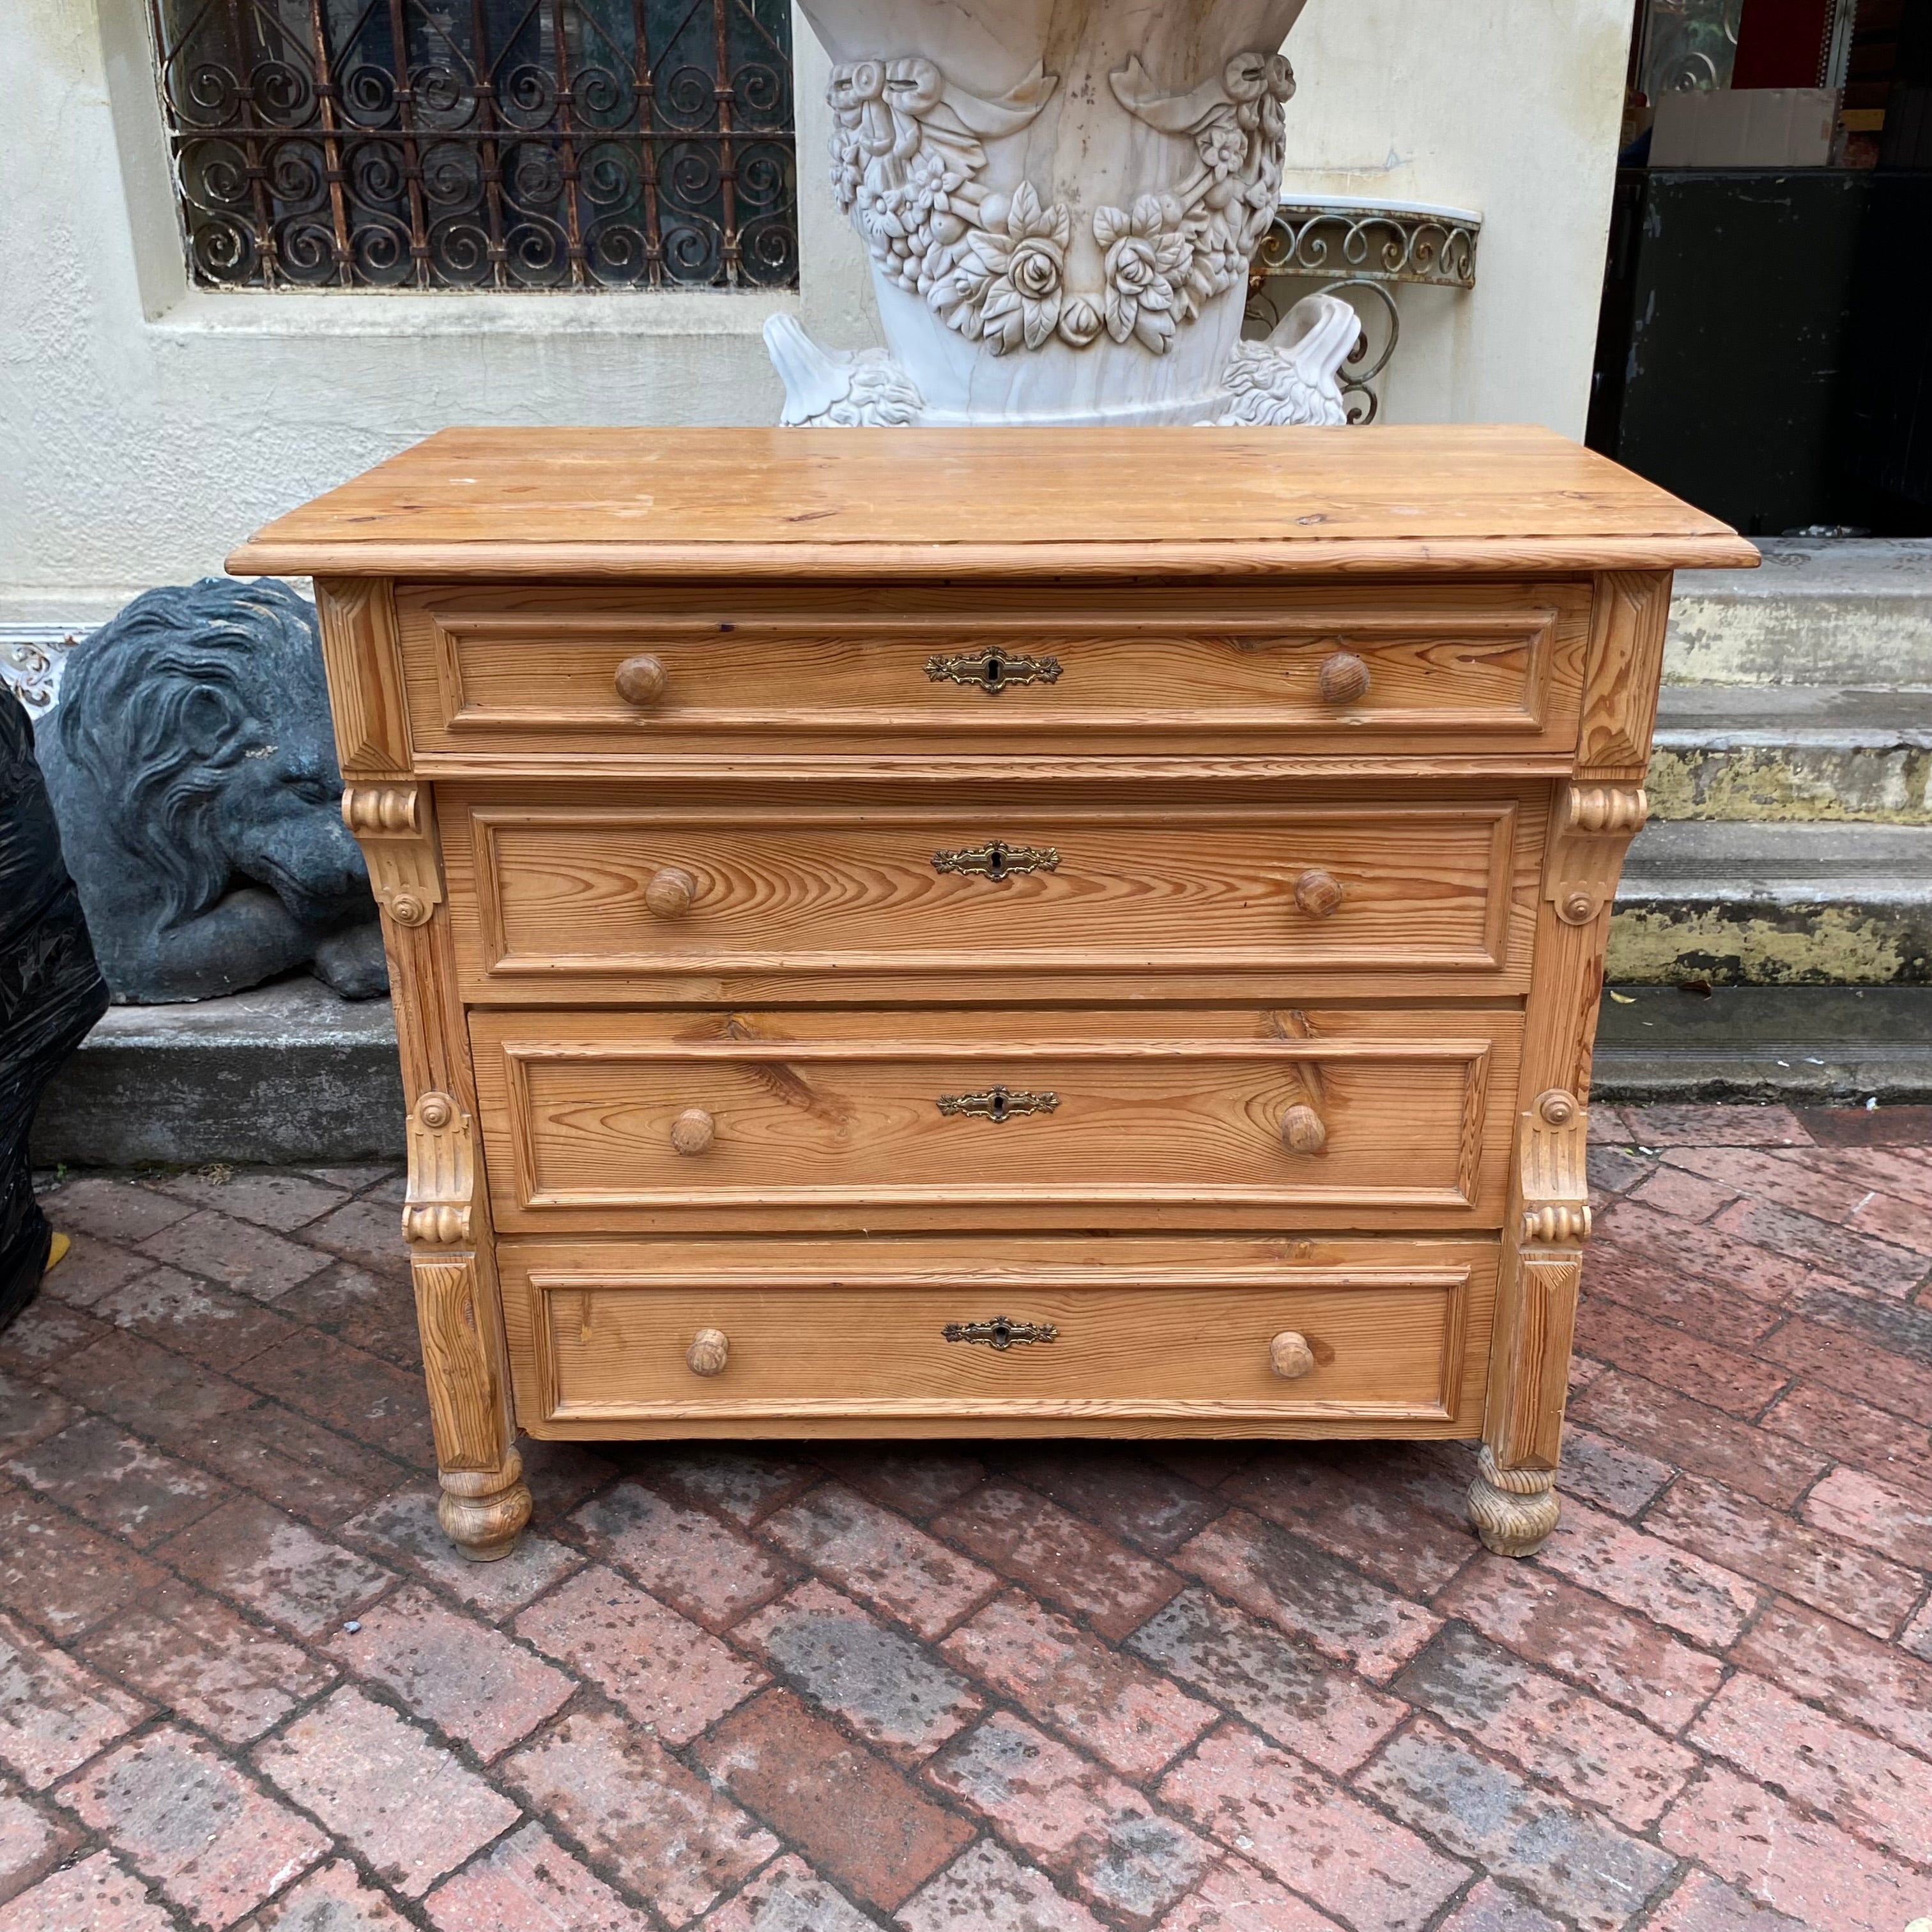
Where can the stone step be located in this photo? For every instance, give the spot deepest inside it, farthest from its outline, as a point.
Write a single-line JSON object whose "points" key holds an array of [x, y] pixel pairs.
{"points": [[1770, 751], [290, 1072], [1816, 611], [1823, 1045], [1751, 902]]}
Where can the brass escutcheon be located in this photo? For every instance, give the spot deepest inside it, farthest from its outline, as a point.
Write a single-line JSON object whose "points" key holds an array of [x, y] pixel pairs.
{"points": [[997, 1104], [997, 860], [992, 670], [1001, 1333]]}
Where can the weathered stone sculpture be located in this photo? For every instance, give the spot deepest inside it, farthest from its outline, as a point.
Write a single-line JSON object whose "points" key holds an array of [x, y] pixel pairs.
{"points": [[1061, 198], [193, 769], [50, 993]]}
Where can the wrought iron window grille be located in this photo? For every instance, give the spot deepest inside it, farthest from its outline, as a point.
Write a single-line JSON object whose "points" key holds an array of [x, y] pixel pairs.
{"points": [[508, 145]]}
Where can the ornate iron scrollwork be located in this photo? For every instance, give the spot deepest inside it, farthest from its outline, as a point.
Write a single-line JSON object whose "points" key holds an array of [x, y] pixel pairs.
{"points": [[997, 859], [1001, 1333], [997, 1104], [993, 671]]}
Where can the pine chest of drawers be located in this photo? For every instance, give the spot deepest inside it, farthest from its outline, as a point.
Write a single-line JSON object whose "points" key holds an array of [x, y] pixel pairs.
{"points": [[903, 934]]}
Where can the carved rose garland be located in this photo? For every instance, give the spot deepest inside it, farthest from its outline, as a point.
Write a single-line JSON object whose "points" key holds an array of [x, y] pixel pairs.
{"points": [[1005, 288], [908, 154], [1147, 256]]}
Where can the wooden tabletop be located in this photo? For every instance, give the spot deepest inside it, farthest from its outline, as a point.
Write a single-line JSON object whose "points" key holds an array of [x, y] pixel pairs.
{"points": [[1085, 503]]}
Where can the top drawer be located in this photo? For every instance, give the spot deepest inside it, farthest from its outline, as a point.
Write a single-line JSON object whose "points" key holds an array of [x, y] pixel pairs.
{"points": [[534, 672]]}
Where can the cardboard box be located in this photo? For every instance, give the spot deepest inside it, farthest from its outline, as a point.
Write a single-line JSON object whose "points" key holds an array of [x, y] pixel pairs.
{"points": [[1744, 127]]}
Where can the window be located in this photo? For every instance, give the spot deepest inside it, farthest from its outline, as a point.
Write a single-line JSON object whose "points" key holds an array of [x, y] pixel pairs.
{"points": [[482, 144]]}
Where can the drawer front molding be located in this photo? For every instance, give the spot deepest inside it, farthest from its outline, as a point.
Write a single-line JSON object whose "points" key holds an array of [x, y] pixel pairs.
{"points": [[521, 671], [601, 1337], [844, 1118], [1065, 886]]}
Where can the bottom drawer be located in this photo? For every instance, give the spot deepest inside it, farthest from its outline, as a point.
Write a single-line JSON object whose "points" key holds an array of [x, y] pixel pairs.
{"points": [[1130, 1336]]}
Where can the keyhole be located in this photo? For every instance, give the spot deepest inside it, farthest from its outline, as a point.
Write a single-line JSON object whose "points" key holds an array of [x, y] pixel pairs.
{"points": [[999, 1103], [1002, 1333], [996, 671], [996, 867]]}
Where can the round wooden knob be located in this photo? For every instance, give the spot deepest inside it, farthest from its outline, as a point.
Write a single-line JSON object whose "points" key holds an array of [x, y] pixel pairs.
{"points": [[1289, 1355], [1344, 679], [1301, 1130], [670, 891], [710, 1350], [1318, 893], [640, 680], [693, 1131]]}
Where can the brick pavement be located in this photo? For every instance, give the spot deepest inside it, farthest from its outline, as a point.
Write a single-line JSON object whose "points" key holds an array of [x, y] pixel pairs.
{"points": [[971, 1687]]}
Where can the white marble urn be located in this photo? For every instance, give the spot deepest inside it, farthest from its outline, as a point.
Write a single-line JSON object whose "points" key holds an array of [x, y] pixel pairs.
{"points": [[1061, 198]]}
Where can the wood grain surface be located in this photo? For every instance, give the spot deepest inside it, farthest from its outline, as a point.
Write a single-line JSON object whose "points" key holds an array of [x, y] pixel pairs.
{"points": [[1625, 666], [363, 662], [529, 671], [681, 950], [1158, 1118], [1153, 1335], [590, 502], [542, 893]]}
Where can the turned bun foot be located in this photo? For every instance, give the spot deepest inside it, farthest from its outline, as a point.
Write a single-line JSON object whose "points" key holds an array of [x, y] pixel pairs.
{"points": [[1513, 1510], [485, 1510]]}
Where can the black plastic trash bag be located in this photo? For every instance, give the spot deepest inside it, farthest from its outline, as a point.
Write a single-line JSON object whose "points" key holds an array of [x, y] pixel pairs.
{"points": [[51, 992]]}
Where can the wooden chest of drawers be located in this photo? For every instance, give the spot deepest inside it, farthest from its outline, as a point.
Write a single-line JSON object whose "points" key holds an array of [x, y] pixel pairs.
{"points": [[927, 933]]}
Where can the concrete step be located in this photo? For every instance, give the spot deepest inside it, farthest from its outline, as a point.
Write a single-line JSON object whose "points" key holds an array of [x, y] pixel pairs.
{"points": [[1770, 751], [1817, 611], [289, 1072], [1799, 1044], [1825, 1046], [1737, 902]]}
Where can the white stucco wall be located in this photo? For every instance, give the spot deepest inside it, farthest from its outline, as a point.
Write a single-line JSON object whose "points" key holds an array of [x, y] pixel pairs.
{"points": [[145, 426], [1509, 107]]}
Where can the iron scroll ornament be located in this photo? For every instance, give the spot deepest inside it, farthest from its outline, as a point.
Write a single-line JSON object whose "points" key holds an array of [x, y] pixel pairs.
{"points": [[997, 860], [993, 671], [997, 1104], [1002, 1333], [574, 145]]}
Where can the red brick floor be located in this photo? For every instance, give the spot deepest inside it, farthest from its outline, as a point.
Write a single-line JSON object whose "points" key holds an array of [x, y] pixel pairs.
{"points": [[970, 1687]]}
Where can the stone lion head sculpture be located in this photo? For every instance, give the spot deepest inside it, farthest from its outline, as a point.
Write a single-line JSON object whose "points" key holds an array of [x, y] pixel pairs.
{"points": [[192, 771]]}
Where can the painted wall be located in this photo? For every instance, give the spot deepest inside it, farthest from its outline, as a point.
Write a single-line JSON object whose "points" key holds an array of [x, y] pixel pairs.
{"points": [[1508, 107], [145, 426]]}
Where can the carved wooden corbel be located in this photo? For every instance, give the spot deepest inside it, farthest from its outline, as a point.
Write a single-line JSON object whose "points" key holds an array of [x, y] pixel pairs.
{"points": [[1594, 826], [1513, 1502], [443, 1173], [391, 824], [1550, 1177]]}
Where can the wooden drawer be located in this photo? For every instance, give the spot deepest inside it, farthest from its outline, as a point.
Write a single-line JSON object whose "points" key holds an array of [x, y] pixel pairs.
{"points": [[1151, 1336], [532, 671], [1148, 1118], [1063, 885]]}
